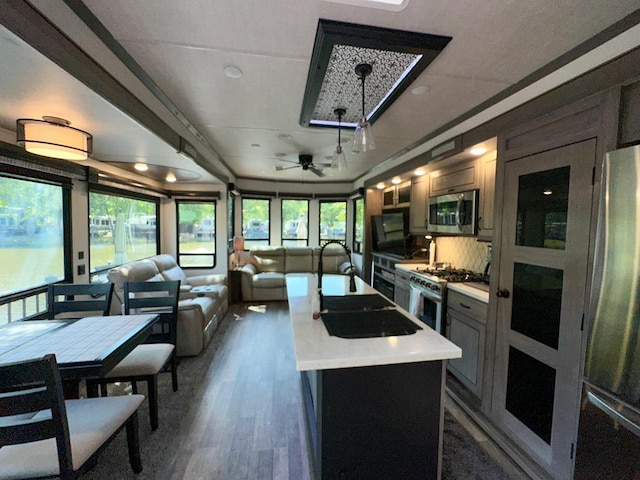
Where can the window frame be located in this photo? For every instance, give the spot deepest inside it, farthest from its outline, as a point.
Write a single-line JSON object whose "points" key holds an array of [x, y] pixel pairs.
{"points": [[268, 239], [358, 245], [37, 294], [117, 192], [321, 240], [282, 221], [179, 255]]}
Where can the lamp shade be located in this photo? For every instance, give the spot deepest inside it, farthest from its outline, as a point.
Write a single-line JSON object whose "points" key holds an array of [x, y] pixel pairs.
{"points": [[363, 138], [238, 243], [53, 137]]}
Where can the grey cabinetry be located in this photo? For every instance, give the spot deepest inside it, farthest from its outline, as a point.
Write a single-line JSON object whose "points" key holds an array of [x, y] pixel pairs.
{"points": [[402, 291], [418, 209], [397, 196], [487, 169], [457, 178], [466, 325]]}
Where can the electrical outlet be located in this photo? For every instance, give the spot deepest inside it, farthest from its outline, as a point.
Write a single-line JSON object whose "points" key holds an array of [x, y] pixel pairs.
{"points": [[488, 257], [82, 269]]}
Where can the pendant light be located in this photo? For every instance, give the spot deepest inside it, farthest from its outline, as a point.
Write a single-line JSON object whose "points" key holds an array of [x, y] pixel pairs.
{"points": [[363, 138], [339, 161]]}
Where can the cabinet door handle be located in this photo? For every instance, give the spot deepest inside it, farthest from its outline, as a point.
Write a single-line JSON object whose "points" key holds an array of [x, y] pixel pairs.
{"points": [[465, 306], [504, 293]]}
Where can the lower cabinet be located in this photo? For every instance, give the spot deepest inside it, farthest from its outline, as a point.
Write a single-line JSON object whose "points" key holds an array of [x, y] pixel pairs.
{"points": [[402, 292], [466, 320]]}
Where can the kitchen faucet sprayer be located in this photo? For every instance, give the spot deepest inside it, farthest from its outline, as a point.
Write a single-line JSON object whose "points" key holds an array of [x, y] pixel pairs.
{"points": [[352, 272]]}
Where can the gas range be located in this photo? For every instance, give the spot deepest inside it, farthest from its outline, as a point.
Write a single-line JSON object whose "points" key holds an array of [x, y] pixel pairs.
{"points": [[435, 280]]}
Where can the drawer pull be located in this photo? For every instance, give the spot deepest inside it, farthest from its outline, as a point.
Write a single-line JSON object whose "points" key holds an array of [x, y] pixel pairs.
{"points": [[465, 306]]}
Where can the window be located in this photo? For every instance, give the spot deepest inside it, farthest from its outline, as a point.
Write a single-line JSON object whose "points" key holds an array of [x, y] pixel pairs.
{"points": [[255, 221], [121, 228], [33, 226], [358, 225], [295, 223], [196, 233], [333, 220]]}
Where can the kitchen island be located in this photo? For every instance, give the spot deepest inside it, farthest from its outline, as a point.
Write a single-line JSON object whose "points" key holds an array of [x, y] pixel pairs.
{"points": [[374, 406]]}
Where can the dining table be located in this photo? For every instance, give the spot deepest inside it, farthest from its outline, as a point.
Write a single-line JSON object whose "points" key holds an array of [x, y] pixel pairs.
{"points": [[88, 347]]}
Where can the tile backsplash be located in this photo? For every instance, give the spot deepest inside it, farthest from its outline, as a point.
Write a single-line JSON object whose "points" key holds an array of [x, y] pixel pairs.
{"points": [[462, 252]]}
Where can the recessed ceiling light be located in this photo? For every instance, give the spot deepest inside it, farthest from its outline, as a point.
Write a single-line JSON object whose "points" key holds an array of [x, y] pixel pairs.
{"points": [[380, 186], [478, 151], [280, 155], [419, 90], [141, 167], [170, 177], [232, 71], [419, 172], [548, 191], [395, 180], [255, 145], [283, 136]]}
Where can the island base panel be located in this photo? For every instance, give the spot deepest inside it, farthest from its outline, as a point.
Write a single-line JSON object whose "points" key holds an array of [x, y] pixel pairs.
{"points": [[377, 422]]}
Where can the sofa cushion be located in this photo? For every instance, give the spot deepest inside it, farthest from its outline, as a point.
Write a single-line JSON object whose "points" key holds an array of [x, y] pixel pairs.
{"points": [[298, 259], [268, 280], [333, 257], [268, 258], [138, 271]]}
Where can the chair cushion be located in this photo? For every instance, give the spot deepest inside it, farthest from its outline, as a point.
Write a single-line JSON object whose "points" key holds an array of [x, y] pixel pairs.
{"points": [[91, 422], [143, 360]]}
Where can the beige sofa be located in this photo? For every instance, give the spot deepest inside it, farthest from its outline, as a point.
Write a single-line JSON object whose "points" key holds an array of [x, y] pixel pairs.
{"points": [[264, 276], [203, 299]]}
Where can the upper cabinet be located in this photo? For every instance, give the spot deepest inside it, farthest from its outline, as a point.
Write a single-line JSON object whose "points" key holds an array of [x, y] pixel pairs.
{"points": [[418, 210], [457, 178], [487, 167], [397, 196]]}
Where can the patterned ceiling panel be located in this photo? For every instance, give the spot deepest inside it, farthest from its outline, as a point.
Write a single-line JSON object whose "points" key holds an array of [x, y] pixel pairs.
{"points": [[397, 59], [341, 86]]}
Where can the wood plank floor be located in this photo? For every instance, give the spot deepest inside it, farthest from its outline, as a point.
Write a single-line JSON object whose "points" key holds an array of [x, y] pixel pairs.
{"points": [[247, 421], [238, 413]]}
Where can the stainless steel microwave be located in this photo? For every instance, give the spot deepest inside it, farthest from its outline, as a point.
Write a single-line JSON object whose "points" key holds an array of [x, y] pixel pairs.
{"points": [[454, 213]]}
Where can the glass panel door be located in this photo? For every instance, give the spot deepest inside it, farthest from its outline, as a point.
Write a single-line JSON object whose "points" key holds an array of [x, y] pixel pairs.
{"points": [[543, 265]]}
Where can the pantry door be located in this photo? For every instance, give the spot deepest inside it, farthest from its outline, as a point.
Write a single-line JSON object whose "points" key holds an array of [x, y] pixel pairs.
{"points": [[541, 296]]}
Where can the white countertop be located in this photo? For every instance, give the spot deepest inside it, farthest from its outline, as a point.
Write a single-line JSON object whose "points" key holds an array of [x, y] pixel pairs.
{"points": [[315, 349], [470, 290], [412, 267]]}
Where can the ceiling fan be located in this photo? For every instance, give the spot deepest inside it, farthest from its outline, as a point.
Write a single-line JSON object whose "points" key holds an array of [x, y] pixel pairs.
{"points": [[306, 162]]}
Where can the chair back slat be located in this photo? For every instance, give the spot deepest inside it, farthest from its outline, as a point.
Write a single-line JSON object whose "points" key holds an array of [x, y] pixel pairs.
{"points": [[155, 297], [31, 400], [27, 389], [79, 297]]}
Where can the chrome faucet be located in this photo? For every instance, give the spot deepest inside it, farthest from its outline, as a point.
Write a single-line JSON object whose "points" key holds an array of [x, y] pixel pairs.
{"points": [[352, 271]]}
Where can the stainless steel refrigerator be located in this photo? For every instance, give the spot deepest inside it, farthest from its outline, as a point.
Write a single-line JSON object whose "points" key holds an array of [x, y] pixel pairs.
{"points": [[609, 431]]}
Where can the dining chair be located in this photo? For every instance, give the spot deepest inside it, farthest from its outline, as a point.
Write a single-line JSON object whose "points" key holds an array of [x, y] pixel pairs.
{"points": [[158, 353], [42, 435], [77, 300]]}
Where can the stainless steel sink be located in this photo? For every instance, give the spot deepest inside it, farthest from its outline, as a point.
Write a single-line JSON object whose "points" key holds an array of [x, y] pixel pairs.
{"points": [[368, 324]]}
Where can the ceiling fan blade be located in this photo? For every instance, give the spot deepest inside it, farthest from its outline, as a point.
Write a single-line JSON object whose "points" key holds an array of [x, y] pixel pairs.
{"points": [[316, 171], [279, 168]]}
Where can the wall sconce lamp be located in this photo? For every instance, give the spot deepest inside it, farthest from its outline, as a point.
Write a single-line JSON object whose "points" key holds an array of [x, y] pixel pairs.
{"points": [[54, 137]]}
